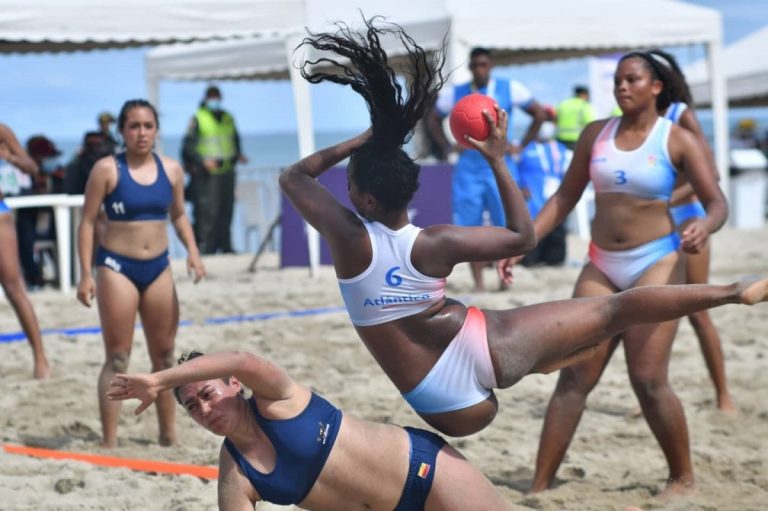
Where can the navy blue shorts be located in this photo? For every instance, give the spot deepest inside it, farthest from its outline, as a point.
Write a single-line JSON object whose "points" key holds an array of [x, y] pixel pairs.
{"points": [[142, 272], [424, 448]]}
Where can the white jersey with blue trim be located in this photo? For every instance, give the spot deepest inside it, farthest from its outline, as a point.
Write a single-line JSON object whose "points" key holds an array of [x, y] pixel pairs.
{"points": [[675, 112], [645, 172], [509, 94], [390, 288]]}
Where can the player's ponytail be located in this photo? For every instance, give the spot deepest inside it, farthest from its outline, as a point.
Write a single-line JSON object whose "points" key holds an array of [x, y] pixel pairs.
{"points": [[380, 166], [365, 66]]}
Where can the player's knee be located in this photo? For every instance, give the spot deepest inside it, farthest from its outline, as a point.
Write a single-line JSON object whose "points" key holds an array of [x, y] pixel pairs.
{"points": [[164, 360], [118, 362], [648, 387], [573, 384], [13, 288], [699, 319]]}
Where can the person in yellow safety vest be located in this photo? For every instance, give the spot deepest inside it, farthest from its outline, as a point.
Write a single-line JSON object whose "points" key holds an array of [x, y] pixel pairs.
{"points": [[210, 152], [573, 114]]}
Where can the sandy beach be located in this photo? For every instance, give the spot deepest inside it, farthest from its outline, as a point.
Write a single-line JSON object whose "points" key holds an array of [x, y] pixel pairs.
{"points": [[613, 461]]}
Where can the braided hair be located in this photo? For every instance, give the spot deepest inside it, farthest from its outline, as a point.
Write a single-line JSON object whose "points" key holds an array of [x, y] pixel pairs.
{"points": [[380, 166]]}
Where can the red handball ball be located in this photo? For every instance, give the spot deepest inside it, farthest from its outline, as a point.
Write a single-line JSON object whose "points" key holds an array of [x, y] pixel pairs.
{"points": [[467, 118]]}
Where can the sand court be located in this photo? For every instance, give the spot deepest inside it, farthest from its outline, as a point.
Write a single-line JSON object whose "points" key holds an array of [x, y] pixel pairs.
{"points": [[298, 322]]}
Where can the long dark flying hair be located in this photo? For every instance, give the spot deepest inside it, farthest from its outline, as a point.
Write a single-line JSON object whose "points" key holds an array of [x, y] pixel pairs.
{"points": [[658, 72], [381, 166]]}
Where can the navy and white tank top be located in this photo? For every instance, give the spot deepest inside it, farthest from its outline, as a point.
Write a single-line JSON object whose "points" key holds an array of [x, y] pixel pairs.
{"points": [[302, 445], [132, 201]]}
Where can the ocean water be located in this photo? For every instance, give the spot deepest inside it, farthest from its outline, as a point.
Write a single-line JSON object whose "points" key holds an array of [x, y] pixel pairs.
{"points": [[279, 149], [257, 196], [263, 150], [258, 199], [259, 202]]}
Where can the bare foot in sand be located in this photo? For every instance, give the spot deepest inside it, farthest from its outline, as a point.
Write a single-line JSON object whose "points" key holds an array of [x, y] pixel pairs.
{"points": [[754, 292], [676, 489], [42, 370], [166, 440], [725, 405]]}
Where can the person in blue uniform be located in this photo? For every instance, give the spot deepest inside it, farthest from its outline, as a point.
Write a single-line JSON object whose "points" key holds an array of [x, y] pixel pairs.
{"points": [[474, 189], [11, 277], [138, 191], [286, 444], [686, 208], [634, 162], [542, 164], [444, 357]]}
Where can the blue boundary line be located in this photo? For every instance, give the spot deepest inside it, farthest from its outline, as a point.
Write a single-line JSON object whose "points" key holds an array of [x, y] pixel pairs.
{"points": [[222, 320]]}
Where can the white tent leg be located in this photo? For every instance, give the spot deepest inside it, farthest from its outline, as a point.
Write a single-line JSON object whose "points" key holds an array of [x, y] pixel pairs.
{"points": [[153, 96], [719, 96], [302, 100]]}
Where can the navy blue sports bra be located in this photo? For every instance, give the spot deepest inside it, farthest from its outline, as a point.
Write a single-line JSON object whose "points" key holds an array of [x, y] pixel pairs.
{"points": [[131, 201], [302, 445]]}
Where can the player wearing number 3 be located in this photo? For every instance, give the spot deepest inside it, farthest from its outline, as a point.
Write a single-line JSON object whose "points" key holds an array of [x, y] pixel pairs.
{"points": [[138, 190], [445, 357], [633, 162]]}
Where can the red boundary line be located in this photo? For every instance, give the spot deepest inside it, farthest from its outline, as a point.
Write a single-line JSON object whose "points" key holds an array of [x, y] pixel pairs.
{"points": [[205, 472]]}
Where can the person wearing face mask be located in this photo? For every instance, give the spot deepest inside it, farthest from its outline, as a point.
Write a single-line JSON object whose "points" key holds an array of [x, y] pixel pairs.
{"points": [[210, 152], [95, 146], [106, 122]]}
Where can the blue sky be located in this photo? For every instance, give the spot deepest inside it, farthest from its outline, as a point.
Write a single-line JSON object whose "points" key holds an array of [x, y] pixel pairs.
{"points": [[61, 94]]}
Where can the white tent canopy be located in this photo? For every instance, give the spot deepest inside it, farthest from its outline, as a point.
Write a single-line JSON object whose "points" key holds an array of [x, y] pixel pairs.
{"points": [[523, 31], [68, 25], [746, 72], [274, 57], [35, 26], [517, 30]]}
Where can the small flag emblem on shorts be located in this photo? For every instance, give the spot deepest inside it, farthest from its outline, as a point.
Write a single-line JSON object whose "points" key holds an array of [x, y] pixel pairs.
{"points": [[424, 470]]}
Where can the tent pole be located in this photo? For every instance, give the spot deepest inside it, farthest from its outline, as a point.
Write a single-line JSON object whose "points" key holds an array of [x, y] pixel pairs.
{"points": [[302, 100], [153, 96], [719, 96]]}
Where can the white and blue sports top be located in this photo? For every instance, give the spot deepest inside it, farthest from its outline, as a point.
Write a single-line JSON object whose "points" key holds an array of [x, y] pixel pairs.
{"points": [[645, 172], [675, 112], [390, 288]]}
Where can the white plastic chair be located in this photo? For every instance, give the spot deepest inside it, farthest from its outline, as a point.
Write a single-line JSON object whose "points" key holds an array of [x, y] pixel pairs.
{"points": [[257, 201]]}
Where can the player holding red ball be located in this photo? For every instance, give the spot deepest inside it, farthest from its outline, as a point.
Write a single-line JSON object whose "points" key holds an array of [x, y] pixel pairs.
{"points": [[467, 118], [444, 357], [473, 189]]}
